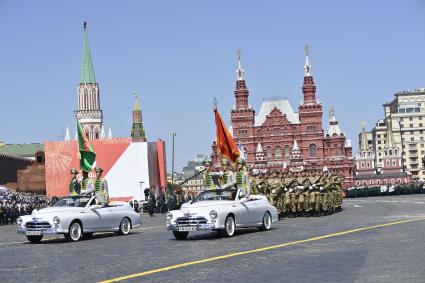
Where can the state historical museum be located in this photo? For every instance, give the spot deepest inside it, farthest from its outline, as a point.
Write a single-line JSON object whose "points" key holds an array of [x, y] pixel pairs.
{"points": [[279, 138]]}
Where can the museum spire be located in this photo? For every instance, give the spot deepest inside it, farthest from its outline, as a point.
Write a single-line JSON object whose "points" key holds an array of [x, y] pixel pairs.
{"points": [[240, 72]]}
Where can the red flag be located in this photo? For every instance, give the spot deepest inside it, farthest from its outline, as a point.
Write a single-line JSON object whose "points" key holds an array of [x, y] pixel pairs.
{"points": [[225, 142]]}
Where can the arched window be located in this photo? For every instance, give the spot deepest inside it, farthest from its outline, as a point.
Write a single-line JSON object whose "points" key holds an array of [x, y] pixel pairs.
{"points": [[287, 152], [313, 150], [269, 153], [278, 152]]}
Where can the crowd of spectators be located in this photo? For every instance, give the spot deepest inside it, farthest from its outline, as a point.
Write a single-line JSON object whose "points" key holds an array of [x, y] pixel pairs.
{"points": [[15, 203]]}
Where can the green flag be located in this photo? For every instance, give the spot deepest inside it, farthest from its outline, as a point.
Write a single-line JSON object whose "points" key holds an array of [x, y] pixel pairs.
{"points": [[86, 155]]}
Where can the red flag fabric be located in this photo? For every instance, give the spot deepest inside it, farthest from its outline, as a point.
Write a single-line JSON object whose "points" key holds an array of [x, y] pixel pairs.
{"points": [[225, 142]]}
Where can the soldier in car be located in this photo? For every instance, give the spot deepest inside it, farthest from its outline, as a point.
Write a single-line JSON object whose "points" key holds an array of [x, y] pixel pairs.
{"points": [[74, 183], [101, 188], [208, 180], [87, 184], [242, 178], [227, 177]]}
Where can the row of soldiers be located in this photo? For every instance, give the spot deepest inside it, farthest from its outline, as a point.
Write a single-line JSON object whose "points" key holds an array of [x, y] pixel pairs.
{"points": [[88, 186], [226, 178], [15, 203], [306, 193]]}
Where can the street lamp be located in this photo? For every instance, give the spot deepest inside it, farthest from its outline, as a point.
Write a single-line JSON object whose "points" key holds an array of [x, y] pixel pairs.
{"points": [[172, 162]]}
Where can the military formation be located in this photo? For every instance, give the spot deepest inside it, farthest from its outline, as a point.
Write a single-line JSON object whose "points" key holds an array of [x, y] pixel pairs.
{"points": [[305, 193], [15, 203]]}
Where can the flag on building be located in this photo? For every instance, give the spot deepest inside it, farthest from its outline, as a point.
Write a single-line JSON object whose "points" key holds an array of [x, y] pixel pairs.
{"points": [[225, 142], [86, 155]]}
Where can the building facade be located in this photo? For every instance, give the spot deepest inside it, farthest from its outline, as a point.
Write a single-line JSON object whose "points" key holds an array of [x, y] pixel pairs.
{"points": [[391, 171], [88, 99], [277, 132], [407, 113]]}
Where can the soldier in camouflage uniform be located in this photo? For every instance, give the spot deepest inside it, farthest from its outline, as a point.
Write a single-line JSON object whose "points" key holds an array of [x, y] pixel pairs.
{"points": [[207, 177], [242, 179], [87, 184], [74, 184], [101, 188], [227, 177]]}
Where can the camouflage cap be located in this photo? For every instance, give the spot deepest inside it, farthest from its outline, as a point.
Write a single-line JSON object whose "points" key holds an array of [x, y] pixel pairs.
{"points": [[73, 171], [99, 170]]}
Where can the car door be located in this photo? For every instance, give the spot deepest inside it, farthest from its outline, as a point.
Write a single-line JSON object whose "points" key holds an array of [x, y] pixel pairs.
{"points": [[106, 217], [251, 209], [90, 218]]}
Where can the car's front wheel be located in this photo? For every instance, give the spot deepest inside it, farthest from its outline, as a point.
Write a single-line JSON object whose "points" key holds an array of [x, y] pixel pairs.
{"points": [[35, 239], [267, 222], [75, 232], [180, 235], [125, 226], [229, 227]]}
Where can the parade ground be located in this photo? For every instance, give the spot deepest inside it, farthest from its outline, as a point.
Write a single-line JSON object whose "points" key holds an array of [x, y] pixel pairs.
{"points": [[372, 240]]}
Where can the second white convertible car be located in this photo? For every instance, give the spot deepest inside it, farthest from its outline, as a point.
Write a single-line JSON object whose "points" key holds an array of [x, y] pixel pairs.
{"points": [[78, 217], [222, 211]]}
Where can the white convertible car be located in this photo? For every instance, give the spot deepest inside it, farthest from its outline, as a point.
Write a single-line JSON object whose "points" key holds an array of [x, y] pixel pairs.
{"points": [[222, 211], [78, 217]]}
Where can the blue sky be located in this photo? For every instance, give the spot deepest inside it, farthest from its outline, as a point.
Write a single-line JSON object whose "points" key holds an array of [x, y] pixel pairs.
{"points": [[179, 55]]}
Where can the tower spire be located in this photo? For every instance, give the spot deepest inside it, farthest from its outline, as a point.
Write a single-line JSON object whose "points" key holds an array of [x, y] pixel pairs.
{"points": [[363, 141], [137, 131], [67, 134], [307, 66], [309, 88], [390, 142], [87, 71], [239, 71], [88, 99]]}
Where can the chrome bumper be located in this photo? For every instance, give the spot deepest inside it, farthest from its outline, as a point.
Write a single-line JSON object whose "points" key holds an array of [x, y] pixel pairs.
{"points": [[199, 227], [44, 231]]}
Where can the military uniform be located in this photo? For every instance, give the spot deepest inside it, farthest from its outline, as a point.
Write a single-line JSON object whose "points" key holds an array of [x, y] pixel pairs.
{"points": [[242, 178], [101, 191], [207, 177], [74, 184], [227, 177], [87, 186]]}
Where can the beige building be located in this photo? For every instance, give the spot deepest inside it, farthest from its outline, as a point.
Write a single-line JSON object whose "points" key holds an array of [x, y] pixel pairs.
{"points": [[407, 112]]}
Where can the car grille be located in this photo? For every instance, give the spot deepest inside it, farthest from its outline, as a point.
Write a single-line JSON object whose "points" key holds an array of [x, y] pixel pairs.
{"points": [[35, 225], [191, 221]]}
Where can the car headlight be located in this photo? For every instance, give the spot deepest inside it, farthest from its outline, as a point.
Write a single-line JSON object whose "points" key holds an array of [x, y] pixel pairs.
{"points": [[169, 216], [56, 220], [213, 214], [19, 221]]}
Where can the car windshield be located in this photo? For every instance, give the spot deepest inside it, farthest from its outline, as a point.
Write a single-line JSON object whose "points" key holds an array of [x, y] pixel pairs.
{"points": [[216, 195], [73, 202]]}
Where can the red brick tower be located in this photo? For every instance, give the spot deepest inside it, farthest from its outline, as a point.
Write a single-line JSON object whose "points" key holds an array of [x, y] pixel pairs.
{"points": [[242, 114], [310, 115]]}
